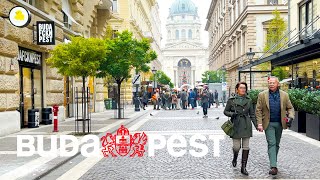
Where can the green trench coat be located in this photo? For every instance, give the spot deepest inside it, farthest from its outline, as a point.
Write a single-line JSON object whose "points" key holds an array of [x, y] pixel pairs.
{"points": [[241, 122]]}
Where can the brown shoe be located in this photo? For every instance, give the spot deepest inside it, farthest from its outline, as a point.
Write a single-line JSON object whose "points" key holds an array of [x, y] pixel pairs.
{"points": [[273, 171]]}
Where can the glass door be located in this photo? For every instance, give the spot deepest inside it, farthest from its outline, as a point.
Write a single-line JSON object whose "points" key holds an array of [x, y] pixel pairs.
{"points": [[26, 93]]}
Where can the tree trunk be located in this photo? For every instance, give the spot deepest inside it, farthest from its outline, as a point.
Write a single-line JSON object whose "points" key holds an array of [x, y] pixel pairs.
{"points": [[119, 98], [84, 102]]}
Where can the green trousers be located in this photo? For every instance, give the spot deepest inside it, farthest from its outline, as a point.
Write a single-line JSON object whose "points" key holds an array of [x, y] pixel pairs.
{"points": [[273, 136]]}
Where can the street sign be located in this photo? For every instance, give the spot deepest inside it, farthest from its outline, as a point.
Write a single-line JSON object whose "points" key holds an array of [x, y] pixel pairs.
{"points": [[136, 79], [224, 86]]}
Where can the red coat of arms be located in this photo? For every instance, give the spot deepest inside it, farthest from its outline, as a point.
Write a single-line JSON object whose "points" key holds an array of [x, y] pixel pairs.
{"points": [[122, 143]]}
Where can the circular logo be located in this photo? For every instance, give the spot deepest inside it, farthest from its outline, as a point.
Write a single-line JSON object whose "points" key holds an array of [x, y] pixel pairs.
{"points": [[19, 16]]}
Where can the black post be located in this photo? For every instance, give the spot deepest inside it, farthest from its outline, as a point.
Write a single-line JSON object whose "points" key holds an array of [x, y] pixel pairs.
{"points": [[250, 79], [136, 102]]}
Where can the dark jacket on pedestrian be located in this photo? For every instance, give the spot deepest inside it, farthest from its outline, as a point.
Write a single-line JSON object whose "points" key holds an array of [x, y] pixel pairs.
{"points": [[241, 111], [183, 96], [204, 98]]}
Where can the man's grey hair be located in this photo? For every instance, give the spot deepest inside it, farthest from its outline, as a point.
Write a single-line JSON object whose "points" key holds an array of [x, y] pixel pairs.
{"points": [[274, 77]]}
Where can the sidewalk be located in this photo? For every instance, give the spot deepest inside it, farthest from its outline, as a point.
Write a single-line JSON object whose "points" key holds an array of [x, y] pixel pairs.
{"points": [[13, 167]]}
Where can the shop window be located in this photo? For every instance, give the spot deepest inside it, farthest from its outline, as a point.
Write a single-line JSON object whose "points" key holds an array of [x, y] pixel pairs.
{"points": [[305, 18]]}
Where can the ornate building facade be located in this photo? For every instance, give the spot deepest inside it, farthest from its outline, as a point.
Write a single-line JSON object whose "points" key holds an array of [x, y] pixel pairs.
{"points": [[142, 18], [34, 84], [184, 57], [234, 26]]}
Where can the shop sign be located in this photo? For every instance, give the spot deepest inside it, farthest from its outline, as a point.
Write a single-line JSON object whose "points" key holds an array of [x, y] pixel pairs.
{"points": [[29, 57], [45, 33], [19, 16]]}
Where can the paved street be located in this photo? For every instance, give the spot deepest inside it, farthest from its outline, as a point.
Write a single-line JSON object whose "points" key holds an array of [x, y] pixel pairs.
{"points": [[298, 158]]}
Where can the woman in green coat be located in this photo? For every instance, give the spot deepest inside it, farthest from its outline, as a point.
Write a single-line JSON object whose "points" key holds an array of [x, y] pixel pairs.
{"points": [[240, 109]]}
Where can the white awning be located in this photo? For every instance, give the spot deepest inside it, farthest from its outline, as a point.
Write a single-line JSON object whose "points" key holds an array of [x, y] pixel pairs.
{"points": [[286, 80]]}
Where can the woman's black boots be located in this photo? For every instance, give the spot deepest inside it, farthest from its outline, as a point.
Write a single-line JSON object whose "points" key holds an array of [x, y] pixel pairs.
{"points": [[245, 154]]}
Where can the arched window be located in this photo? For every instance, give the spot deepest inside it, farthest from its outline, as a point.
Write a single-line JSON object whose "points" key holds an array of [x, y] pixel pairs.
{"points": [[177, 34], [183, 33], [190, 34]]}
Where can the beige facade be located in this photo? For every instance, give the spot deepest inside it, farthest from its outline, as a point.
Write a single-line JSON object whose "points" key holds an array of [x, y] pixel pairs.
{"points": [[142, 18], [72, 18], [234, 26]]}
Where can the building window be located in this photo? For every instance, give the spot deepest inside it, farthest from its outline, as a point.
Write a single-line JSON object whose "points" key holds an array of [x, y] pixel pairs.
{"points": [[244, 4], [234, 50], [114, 33], [190, 34], [183, 6], [66, 20], [115, 6], [305, 17], [177, 34], [272, 2], [243, 43], [183, 33], [169, 34], [31, 2], [239, 46]]}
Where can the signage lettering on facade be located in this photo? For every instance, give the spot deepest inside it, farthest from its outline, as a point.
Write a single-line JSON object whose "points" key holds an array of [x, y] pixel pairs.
{"points": [[29, 57], [45, 33]]}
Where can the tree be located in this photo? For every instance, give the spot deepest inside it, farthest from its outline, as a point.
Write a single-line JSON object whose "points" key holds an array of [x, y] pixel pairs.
{"points": [[280, 72], [126, 53], [162, 78], [275, 33], [79, 58], [214, 76]]}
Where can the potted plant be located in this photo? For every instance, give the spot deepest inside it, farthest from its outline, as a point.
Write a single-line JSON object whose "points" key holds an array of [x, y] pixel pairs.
{"points": [[311, 104], [296, 98], [253, 94]]}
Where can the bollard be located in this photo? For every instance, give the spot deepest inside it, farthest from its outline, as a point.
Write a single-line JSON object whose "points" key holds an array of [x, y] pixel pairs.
{"points": [[55, 118]]}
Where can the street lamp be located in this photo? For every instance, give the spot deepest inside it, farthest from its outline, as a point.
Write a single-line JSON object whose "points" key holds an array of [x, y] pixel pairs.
{"points": [[154, 71], [250, 56]]}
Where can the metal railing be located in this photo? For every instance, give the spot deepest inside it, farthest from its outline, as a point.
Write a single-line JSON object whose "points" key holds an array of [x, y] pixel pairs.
{"points": [[289, 42]]}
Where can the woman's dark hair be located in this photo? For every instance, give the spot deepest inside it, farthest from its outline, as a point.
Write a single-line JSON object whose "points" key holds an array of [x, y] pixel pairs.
{"points": [[239, 83]]}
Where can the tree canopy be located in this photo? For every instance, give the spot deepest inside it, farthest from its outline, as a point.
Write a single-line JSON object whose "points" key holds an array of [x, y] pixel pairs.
{"points": [[80, 58], [162, 78], [213, 76], [125, 54]]}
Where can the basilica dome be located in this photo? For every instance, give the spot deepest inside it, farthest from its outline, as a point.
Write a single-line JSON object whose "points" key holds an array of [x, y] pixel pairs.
{"points": [[180, 7]]}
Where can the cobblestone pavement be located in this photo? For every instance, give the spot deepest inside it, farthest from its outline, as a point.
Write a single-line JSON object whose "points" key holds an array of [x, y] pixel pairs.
{"points": [[12, 167], [299, 156]]}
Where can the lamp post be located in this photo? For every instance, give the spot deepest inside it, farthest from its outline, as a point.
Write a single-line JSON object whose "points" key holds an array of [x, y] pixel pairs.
{"points": [[223, 69], [250, 56], [154, 71], [297, 76]]}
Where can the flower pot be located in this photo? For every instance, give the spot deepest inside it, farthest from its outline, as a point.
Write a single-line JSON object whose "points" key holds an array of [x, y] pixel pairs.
{"points": [[299, 123], [313, 126]]}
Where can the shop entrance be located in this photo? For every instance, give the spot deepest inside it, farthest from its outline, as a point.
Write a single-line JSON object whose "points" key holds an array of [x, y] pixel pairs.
{"points": [[30, 84]]}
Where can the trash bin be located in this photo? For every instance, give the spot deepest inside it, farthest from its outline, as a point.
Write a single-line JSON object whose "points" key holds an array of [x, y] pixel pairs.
{"points": [[46, 116], [114, 104], [33, 118], [107, 103]]}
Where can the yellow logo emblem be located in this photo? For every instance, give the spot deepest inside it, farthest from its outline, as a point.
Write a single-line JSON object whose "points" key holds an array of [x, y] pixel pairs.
{"points": [[19, 16]]}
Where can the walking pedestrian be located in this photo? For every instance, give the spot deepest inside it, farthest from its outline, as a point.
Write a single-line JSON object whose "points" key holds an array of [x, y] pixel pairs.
{"points": [[216, 98], [240, 109], [184, 99], [272, 107], [205, 103], [211, 98], [192, 98], [174, 101]]}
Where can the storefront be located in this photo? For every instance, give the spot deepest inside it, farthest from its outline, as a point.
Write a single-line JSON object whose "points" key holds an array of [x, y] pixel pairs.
{"points": [[31, 88]]}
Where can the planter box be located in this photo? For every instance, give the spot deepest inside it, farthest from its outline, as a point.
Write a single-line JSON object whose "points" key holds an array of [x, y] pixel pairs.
{"points": [[299, 123], [313, 126]]}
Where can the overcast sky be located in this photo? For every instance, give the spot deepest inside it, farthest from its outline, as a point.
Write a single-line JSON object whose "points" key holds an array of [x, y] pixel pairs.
{"points": [[203, 7]]}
